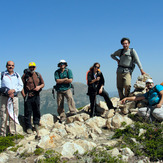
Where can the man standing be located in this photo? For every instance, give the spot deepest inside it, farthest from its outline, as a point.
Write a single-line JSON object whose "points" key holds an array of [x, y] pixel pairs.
{"points": [[126, 59], [12, 82], [155, 100], [63, 78], [33, 84]]}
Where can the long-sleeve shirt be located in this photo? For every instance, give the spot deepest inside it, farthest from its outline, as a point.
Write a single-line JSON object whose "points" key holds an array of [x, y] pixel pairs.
{"points": [[126, 60], [12, 81]]}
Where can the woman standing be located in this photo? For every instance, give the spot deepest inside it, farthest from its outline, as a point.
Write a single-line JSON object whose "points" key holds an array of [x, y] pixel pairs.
{"points": [[95, 83]]}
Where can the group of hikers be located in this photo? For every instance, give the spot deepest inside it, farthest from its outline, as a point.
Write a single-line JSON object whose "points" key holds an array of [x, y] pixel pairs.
{"points": [[31, 84]]}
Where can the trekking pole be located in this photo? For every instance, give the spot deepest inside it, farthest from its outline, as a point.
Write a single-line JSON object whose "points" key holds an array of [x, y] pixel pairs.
{"points": [[14, 119]]}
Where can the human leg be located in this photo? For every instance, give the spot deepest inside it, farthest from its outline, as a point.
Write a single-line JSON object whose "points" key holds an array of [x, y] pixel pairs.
{"points": [[120, 85], [144, 112], [92, 98], [70, 101], [158, 113], [60, 102], [4, 115], [36, 110], [107, 99], [127, 83], [28, 113]]}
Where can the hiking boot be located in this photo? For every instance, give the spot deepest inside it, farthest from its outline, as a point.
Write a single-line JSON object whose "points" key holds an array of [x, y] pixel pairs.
{"points": [[29, 131], [36, 127]]}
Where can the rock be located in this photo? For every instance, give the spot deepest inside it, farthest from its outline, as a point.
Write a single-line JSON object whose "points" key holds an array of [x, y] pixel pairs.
{"points": [[115, 101], [127, 152], [110, 143], [3, 157], [114, 152], [77, 129], [47, 121], [110, 113], [69, 148], [117, 121]]}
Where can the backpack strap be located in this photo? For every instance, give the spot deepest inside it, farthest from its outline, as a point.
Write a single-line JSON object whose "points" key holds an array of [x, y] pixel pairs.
{"points": [[3, 74], [131, 52], [59, 72]]}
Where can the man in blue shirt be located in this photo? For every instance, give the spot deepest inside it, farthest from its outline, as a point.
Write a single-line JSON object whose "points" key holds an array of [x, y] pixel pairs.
{"points": [[63, 77], [155, 101], [11, 81]]}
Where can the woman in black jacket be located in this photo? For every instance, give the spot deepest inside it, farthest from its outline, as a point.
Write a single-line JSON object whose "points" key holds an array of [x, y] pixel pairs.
{"points": [[95, 83]]}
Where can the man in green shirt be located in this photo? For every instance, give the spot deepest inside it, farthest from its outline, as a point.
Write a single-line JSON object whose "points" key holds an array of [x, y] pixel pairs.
{"points": [[63, 77], [126, 59]]}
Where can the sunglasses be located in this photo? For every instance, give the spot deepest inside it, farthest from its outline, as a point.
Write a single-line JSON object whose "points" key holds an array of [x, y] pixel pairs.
{"points": [[148, 83], [97, 67], [32, 67]]}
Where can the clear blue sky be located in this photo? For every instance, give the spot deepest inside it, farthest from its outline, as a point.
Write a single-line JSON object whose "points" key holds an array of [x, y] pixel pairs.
{"points": [[81, 32]]}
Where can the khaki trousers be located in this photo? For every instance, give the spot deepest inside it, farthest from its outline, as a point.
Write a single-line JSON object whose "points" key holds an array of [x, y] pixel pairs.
{"points": [[60, 102], [123, 84], [4, 115]]}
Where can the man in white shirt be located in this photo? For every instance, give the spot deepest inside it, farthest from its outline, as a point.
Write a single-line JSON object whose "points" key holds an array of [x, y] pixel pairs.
{"points": [[12, 81]]}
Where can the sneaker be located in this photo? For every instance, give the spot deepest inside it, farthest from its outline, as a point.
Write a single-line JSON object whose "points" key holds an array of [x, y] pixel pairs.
{"points": [[29, 131]]}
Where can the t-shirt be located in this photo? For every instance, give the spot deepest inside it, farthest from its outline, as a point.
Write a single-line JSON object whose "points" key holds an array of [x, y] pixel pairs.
{"points": [[67, 73], [152, 95], [126, 60]]}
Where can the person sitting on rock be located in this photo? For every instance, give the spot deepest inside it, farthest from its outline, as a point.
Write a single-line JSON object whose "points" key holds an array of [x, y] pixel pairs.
{"points": [[155, 101], [95, 81]]}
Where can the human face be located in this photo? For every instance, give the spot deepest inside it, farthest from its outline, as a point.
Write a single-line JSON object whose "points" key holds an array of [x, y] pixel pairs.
{"points": [[126, 44], [32, 69], [149, 85], [96, 67], [62, 65], [10, 67]]}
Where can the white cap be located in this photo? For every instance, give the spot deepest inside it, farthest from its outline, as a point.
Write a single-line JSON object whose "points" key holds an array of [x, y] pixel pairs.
{"points": [[62, 61], [149, 81]]}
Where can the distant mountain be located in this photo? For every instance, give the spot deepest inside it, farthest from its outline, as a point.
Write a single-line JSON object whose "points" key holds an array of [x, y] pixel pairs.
{"points": [[49, 104]]}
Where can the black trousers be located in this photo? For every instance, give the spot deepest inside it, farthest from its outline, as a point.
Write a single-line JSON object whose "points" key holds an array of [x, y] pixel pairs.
{"points": [[92, 97], [32, 105]]}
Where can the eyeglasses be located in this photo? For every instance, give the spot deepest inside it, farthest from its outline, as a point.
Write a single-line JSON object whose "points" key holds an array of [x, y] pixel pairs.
{"points": [[97, 67], [32, 67]]}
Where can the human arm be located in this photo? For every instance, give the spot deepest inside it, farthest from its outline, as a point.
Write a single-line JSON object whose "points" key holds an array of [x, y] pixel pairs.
{"points": [[137, 61], [42, 84], [133, 98], [116, 56], [161, 100]]}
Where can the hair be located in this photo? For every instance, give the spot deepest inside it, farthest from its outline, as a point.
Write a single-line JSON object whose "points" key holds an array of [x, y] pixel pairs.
{"points": [[123, 39], [91, 68]]}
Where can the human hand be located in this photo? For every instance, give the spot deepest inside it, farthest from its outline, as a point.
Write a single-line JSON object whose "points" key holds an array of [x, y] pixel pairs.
{"points": [[37, 88], [123, 101], [98, 78], [158, 106]]}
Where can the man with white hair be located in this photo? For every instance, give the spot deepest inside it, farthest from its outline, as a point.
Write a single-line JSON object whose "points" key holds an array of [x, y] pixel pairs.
{"points": [[63, 77], [155, 101]]}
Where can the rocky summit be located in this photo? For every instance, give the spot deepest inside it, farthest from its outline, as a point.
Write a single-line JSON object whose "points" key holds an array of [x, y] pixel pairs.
{"points": [[80, 134]]}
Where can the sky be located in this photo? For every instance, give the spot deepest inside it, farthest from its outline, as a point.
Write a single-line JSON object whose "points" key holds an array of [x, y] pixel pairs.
{"points": [[81, 32]]}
